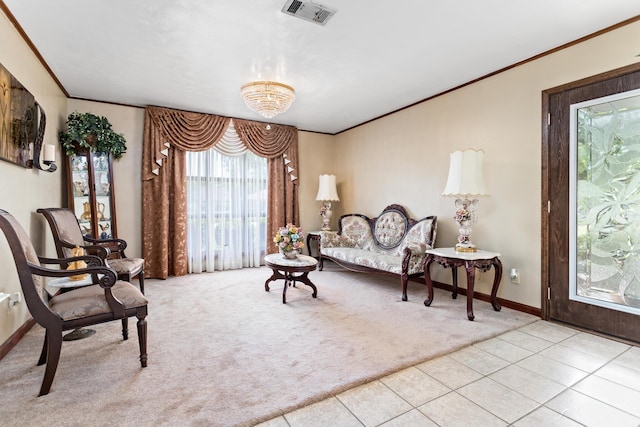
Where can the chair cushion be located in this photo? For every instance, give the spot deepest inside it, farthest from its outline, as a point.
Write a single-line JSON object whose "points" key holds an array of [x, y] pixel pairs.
{"points": [[131, 266], [90, 300], [378, 260]]}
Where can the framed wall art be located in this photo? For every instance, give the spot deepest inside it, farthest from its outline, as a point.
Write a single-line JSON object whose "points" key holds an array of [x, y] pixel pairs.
{"points": [[19, 121]]}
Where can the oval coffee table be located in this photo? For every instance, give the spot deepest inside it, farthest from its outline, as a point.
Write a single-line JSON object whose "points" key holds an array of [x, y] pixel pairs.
{"points": [[284, 268]]}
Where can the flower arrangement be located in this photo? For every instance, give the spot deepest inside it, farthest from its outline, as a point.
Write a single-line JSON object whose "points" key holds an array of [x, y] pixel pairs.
{"points": [[289, 238]]}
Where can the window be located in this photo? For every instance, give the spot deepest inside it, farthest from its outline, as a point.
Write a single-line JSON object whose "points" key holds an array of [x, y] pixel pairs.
{"points": [[227, 205]]}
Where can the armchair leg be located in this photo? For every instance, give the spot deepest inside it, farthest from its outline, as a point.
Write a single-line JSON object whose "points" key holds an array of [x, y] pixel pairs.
{"points": [[141, 280], [125, 328], [142, 337], [43, 353], [54, 340]]}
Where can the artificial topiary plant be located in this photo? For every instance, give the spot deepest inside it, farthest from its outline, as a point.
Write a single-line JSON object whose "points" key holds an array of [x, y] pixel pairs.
{"points": [[92, 132]]}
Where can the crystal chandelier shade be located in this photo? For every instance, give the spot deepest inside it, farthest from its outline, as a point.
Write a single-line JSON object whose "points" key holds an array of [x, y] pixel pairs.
{"points": [[268, 98]]}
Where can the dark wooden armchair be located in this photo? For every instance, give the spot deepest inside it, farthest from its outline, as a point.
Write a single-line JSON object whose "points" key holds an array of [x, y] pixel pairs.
{"points": [[106, 300], [67, 235]]}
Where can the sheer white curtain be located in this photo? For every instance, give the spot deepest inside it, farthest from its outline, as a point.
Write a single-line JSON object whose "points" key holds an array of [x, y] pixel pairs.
{"points": [[227, 205]]}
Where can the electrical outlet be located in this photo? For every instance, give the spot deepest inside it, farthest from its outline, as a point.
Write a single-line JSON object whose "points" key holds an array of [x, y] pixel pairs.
{"points": [[514, 275], [15, 299]]}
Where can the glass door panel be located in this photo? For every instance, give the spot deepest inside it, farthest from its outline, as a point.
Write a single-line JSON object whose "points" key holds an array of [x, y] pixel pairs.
{"points": [[102, 186], [81, 192], [604, 191]]}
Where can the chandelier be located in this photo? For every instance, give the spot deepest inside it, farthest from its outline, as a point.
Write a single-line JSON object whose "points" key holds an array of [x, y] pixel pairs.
{"points": [[268, 98]]}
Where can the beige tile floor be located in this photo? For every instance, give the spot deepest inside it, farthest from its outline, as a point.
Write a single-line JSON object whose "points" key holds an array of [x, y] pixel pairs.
{"points": [[542, 374]]}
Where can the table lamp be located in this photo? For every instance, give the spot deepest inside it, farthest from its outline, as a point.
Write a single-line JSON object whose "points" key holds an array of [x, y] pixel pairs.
{"points": [[466, 182], [327, 193]]}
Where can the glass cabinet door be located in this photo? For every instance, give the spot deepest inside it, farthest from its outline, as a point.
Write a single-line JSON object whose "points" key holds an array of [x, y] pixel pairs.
{"points": [[102, 187], [80, 201], [90, 187]]}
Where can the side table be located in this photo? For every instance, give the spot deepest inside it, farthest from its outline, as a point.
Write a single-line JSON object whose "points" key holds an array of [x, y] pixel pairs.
{"points": [[315, 237], [449, 258], [302, 264]]}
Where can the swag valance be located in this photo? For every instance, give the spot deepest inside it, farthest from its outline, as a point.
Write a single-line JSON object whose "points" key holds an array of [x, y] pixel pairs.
{"points": [[168, 134]]}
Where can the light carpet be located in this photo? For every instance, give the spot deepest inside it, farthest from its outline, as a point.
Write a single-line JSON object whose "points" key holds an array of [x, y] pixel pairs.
{"points": [[223, 352]]}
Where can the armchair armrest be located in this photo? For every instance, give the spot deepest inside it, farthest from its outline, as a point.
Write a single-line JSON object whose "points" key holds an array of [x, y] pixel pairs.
{"points": [[101, 251], [116, 245], [91, 260], [93, 270]]}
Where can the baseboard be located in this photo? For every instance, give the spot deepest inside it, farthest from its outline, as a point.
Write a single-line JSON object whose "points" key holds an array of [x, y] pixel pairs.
{"points": [[6, 346], [484, 297]]}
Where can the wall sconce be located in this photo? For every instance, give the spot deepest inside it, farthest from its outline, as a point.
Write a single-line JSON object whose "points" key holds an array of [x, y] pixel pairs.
{"points": [[49, 154], [327, 193], [48, 157], [466, 181]]}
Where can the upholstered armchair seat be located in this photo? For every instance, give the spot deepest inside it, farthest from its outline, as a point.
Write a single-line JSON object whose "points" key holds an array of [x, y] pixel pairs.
{"points": [[126, 266], [90, 301]]}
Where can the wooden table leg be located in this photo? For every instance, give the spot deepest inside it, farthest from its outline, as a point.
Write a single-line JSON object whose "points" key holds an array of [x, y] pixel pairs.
{"points": [[497, 265], [287, 283], [454, 276], [470, 267], [304, 278], [275, 276], [427, 280]]}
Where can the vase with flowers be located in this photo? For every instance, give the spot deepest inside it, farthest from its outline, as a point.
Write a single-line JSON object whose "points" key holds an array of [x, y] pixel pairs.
{"points": [[289, 240]]}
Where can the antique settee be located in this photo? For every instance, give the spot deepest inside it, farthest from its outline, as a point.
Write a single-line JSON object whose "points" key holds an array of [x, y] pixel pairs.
{"points": [[391, 243]]}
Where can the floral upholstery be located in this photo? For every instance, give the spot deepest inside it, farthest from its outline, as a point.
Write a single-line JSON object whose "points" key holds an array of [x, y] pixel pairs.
{"points": [[356, 229], [390, 228], [419, 238], [383, 244], [378, 261]]}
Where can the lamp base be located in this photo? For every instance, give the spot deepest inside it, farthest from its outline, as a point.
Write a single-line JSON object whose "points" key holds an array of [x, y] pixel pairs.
{"points": [[326, 213]]}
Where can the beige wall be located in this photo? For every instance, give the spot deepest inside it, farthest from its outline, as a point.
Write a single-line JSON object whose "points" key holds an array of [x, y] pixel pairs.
{"points": [[22, 190], [403, 158], [316, 154]]}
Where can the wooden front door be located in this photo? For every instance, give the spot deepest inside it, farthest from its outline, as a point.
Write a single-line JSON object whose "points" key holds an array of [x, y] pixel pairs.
{"points": [[591, 271]]}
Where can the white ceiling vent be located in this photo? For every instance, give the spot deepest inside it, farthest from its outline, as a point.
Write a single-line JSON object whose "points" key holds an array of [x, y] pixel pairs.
{"points": [[308, 11]]}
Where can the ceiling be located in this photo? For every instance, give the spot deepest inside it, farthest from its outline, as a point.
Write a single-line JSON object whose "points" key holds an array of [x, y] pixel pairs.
{"points": [[371, 58]]}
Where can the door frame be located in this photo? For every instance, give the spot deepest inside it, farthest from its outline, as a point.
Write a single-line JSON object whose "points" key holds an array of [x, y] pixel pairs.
{"points": [[545, 199]]}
